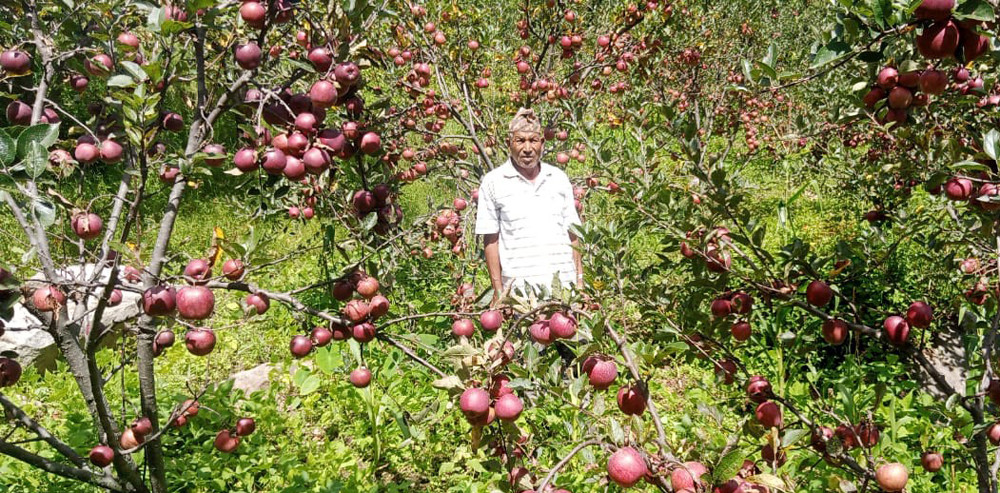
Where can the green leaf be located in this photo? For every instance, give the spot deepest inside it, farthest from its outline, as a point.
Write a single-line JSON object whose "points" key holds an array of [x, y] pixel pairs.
{"points": [[173, 27], [792, 436], [833, 51], [969, 166], [310, 385], [369, 221], [36, 160], [8, 149], [135, 70], [45, 212], [156, 18], [328, 360], [769, 480], [44, 134], [120, 80], [990, 143], [978, 10], [728, 466]]}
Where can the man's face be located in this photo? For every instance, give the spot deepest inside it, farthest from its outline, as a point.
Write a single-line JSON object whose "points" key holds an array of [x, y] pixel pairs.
{"points": [[525, 149]]}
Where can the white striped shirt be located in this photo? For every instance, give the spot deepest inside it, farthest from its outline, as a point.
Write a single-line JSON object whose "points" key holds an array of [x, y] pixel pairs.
{"points": [[533, 219]]}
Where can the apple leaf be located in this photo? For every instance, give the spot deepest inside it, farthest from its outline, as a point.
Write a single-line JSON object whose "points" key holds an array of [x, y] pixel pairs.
{"points": [[451, 382], [328, 360], [45, 212], [310, 385], [769, 480], [120, 80], [135, 70], [976, 10], [990, 143], [36, 160], [44, 134], [156, 18], [728, 466], [8, 149]]}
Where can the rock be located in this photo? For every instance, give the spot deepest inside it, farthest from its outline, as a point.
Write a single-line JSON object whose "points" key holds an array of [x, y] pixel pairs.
{"points": [[26, 334], [254, 379], [945, 351]]}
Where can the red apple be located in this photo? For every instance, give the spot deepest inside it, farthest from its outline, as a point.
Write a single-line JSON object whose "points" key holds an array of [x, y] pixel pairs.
{"points": [[626, 467]]}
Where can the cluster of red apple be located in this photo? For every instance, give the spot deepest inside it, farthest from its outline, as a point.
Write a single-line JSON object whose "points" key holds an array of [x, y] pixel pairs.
{"points": [[361, 312], [717, 259], [942, 37]]}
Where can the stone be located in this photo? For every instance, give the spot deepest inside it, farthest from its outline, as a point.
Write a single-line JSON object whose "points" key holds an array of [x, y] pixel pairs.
{"points": [[27, 336], [254, 379]]}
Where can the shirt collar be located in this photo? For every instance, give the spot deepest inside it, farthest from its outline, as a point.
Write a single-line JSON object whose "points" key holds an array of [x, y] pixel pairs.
{"points": [[509, 171]]}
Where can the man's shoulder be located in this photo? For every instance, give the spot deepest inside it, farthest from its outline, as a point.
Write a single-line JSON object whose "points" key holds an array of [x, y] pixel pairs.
{"points": [[494, 174]]}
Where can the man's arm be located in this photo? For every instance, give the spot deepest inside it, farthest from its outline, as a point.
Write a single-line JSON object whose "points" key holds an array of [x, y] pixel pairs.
{"points": [[491, 244]]}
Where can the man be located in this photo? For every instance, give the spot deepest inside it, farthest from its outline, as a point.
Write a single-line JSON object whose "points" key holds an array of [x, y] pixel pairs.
{"points": [[525, 213]]}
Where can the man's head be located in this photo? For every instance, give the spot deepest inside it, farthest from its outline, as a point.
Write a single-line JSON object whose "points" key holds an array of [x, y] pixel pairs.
{"points": [[525, 139]]}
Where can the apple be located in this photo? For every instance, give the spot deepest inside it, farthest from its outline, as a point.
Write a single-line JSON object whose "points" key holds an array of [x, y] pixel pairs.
{"points": [[631, 400], [931, 461], [195, 302], [958, 189], [198, 270], [216, 155], [768, 414], [892, 477], [541, 333], [142, 426], [248, 56], [741, 330], [939, 40], [257, 303], [226, 442], [463, 327], [129, 440], [101, 456], [159, 301], [602, 373], [233, 269], [245, 159], [993, 433], [300, 346], [896, 330], [367, 287], [933, 81], [626, 467], [15, 62], [562, 325], [245, 426], [758, 389], [199, 341], [919, 314], [10, 371], [87, 225], [687, 476], [818, 293], [508, 407], [364, 332], [887, 78], [474, 403], [356, 310], [835, 331], [721, 308], [934, 9], [491, 320], [361, 377]]}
